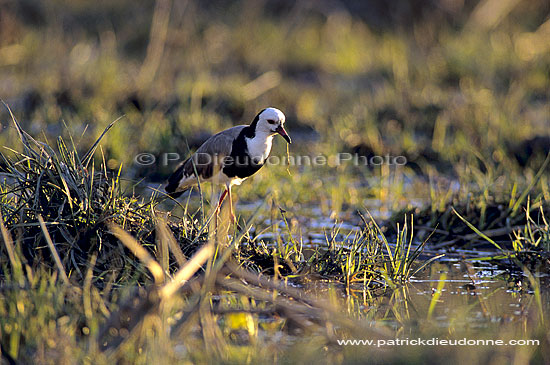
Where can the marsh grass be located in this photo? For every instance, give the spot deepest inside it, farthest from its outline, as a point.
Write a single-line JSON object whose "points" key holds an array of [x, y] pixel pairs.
{"points": [[75, 202], [200, 294], [462, 96], [124, 264], [476, 219], [160, 283]]}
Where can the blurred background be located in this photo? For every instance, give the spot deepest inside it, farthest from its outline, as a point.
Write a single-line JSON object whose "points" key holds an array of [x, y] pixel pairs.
{"points": [[458, 87]]}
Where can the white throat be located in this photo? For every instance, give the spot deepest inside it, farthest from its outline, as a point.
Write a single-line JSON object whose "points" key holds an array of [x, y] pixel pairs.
{"points": [[259, 147]]}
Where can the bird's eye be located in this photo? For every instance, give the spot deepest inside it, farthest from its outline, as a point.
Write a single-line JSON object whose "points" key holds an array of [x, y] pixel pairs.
{"points": [[271, 121]]}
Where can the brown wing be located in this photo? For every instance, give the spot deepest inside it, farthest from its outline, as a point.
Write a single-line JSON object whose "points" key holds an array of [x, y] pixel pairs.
{"points": [[207, 160]]}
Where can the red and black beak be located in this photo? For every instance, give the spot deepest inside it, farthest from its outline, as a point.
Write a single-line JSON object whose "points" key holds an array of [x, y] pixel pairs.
{"points": [[283, 133]]}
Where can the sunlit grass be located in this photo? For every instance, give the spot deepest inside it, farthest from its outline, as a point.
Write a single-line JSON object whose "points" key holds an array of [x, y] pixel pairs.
{"points": [[461, 93]]}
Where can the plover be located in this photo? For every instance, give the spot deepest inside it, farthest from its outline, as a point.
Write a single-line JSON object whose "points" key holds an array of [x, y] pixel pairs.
{"points": [[231, 156]]}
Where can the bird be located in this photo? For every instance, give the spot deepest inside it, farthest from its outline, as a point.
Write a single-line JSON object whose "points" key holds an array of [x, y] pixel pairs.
{"points": [[230, 156]]}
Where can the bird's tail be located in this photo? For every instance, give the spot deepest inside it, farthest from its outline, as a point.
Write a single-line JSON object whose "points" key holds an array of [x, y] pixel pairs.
{"points": [[172, 188], [174, 194]]}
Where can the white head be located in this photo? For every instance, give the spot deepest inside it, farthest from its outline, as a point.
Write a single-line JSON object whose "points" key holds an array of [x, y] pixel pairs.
{"points": [[271, 121]]}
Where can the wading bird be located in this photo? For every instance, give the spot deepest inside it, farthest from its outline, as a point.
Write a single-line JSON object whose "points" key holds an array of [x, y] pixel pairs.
{"points": [[231, 156]]}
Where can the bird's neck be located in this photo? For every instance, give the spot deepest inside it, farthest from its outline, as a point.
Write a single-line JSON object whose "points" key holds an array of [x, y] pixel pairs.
{"points": [[259, 146]]}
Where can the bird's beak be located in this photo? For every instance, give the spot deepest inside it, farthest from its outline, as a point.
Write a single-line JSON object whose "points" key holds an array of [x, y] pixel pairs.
{"points": [[283, 133]]}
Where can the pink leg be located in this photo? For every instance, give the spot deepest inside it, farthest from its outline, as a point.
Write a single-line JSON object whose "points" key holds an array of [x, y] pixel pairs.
{"points": [[221, 201], [231, 214]]}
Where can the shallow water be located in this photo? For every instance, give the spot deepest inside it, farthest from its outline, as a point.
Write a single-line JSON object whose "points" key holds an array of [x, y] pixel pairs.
{"points": [[476, 301], [474, 295]]}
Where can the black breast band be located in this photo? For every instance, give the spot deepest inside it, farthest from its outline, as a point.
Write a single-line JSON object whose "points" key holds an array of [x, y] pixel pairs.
{"points": [[239, 163]]}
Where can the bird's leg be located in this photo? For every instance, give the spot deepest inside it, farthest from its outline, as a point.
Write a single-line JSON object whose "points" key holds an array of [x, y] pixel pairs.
{"points": [[222, 197], [231, 214]]}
